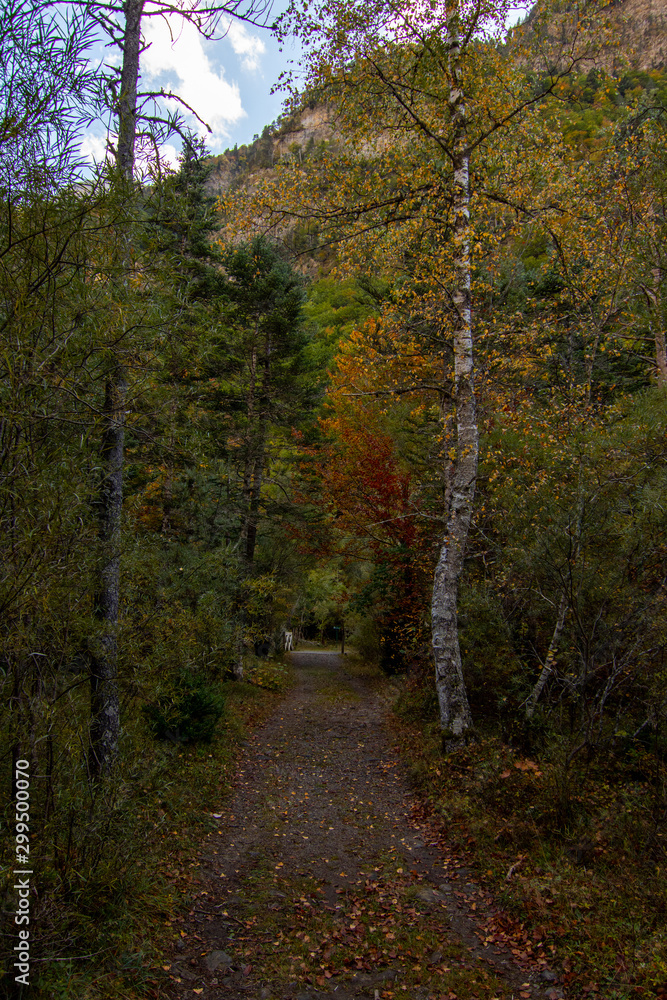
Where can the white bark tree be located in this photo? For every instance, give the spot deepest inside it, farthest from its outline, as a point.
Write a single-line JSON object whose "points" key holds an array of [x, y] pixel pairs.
{"points": [[415, 91], [461, 473]]}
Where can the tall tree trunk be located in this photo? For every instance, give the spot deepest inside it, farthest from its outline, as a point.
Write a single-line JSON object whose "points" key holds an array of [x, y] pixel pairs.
{"points": [[129, 79], [250, 456], [104, 700], [568, 589], [455, 717], [660, 352], [248, 468], [252, 516], [547, 669], [657, 325], [259, 453]]}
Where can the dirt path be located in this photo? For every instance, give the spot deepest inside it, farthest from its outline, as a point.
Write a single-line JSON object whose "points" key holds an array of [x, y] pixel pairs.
{"points": [[319, 884]]}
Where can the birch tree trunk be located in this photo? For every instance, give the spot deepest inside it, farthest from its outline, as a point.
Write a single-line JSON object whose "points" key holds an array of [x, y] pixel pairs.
{"points": [[564, 604], [547, 669], [455, 717], [658, 326]]}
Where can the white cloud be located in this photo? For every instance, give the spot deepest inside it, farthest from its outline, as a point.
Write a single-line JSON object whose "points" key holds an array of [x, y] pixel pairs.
{"points": [[94, 147], [182, 66], [248, 46], [169, 153]]}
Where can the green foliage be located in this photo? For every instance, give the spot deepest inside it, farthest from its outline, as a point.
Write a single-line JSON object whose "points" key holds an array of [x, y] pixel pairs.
{"points": [[364, 637], [417, 703], [589, 102], [110, 884], [188, 712], [325, 595], [491, 664], [268, 675], [46, 89], [337, 308]]}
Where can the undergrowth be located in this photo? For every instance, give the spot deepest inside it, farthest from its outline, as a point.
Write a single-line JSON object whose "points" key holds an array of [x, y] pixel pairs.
{"points": [[111, 866], [573, 845]]}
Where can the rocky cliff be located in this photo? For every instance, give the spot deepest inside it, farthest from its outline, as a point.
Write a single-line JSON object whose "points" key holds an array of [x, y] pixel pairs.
{"points": [[296, 136], [615, 36], [642, 32], [635, 38]]}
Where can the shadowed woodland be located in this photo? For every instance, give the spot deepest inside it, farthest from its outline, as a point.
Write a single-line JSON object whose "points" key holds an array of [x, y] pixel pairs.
{"points": [[397, 387]]}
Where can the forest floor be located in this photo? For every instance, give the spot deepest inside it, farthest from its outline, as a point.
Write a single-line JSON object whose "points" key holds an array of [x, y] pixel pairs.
{"points": [[322, 877]]}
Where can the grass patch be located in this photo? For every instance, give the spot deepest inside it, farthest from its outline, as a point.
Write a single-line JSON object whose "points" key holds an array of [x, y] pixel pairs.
{"points": [[271, 675], [335, 689], [366, 671]]}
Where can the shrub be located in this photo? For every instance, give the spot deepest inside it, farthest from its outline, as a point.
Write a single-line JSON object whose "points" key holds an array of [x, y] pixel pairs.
{"points": [[363, 636], [189, 712]]}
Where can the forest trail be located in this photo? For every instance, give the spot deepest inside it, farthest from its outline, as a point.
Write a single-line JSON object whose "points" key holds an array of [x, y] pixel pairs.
{"points": [[320, 883]]}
